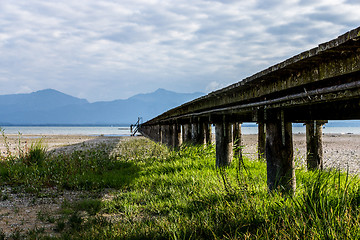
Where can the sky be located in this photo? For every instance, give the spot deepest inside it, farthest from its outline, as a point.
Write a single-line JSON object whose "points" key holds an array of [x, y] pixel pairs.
{"points": [[103, 50]]}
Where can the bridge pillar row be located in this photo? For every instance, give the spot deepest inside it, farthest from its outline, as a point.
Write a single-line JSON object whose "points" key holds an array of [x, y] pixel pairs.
{"points": [[279, 153], [224, 143], [314, 150]]}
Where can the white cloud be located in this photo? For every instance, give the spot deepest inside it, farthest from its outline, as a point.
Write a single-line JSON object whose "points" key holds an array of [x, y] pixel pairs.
{"points": [[213, 86], [107, 49]]}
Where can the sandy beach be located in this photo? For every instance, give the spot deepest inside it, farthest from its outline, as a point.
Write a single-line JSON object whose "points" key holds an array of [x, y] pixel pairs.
{"points": [[54, 142], [340, 150]]}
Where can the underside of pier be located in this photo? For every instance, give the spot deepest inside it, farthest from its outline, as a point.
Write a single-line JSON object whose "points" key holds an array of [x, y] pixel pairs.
{"points": [[315, 86]]}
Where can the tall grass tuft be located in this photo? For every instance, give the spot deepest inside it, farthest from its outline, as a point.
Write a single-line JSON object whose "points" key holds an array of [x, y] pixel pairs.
{"points": [[35, 155], [327, 208]]}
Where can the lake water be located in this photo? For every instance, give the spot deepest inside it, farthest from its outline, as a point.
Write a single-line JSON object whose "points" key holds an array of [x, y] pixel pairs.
{"points": [[125, 131], [88, 131]]}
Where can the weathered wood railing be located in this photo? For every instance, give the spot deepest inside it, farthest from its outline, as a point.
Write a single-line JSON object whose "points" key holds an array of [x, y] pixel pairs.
{"points": [[312, 87]]}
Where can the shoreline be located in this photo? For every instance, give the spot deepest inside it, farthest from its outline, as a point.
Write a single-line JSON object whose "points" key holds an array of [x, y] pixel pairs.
{"points": [[339, 150]]}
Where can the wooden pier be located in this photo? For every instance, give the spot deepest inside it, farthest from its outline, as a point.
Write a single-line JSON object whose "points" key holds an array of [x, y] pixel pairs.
{"points": [[315, 86]]}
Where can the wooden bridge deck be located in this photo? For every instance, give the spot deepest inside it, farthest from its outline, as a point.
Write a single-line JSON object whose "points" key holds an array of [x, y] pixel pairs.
{"points": [[315, 86]]}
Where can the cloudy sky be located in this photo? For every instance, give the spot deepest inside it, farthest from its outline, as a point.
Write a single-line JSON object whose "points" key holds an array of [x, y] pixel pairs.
{"points": [[113, 49]]}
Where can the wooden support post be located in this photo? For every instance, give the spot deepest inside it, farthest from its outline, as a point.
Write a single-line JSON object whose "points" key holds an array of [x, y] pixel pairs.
{"points": [[261, 140], [197, 133], [148, 132], [164, 134], [155, 133], [279, 154], [183, 133], [314, 151], [170, 136], [177, 138], [224, 144], [208, 133], [237, 139], [187, 133], [201, 134], [159, 134], [167, 135], [194, 132]]}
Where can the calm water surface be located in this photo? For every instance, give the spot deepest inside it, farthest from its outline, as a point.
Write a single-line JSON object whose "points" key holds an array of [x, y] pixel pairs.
{"points": [[88, 131], [125, 131]]}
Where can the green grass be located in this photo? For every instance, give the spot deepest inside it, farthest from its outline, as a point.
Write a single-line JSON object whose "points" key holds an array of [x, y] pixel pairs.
{"points": [[162, 194]]}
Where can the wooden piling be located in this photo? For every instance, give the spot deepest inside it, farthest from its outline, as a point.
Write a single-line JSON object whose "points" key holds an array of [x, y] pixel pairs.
{"points": [[261, 140], [194, 132], [224, 144], [164, 134], [237, 140], [208, 133], [170, 137], [159, 139], [177, 137], [197, 134], [279, 156], [187, 133], [314, 151], [167, 135]]}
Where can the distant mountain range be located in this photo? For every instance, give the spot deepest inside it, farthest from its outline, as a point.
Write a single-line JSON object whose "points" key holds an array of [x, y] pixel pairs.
{"points": [[51, 107]]}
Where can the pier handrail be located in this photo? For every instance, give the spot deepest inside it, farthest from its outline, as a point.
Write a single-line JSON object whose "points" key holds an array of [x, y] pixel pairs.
{"points": [[134, 128]]}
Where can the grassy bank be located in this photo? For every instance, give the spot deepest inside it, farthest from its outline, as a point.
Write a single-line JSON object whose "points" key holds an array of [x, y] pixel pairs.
{"points": [[155, 193]]}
